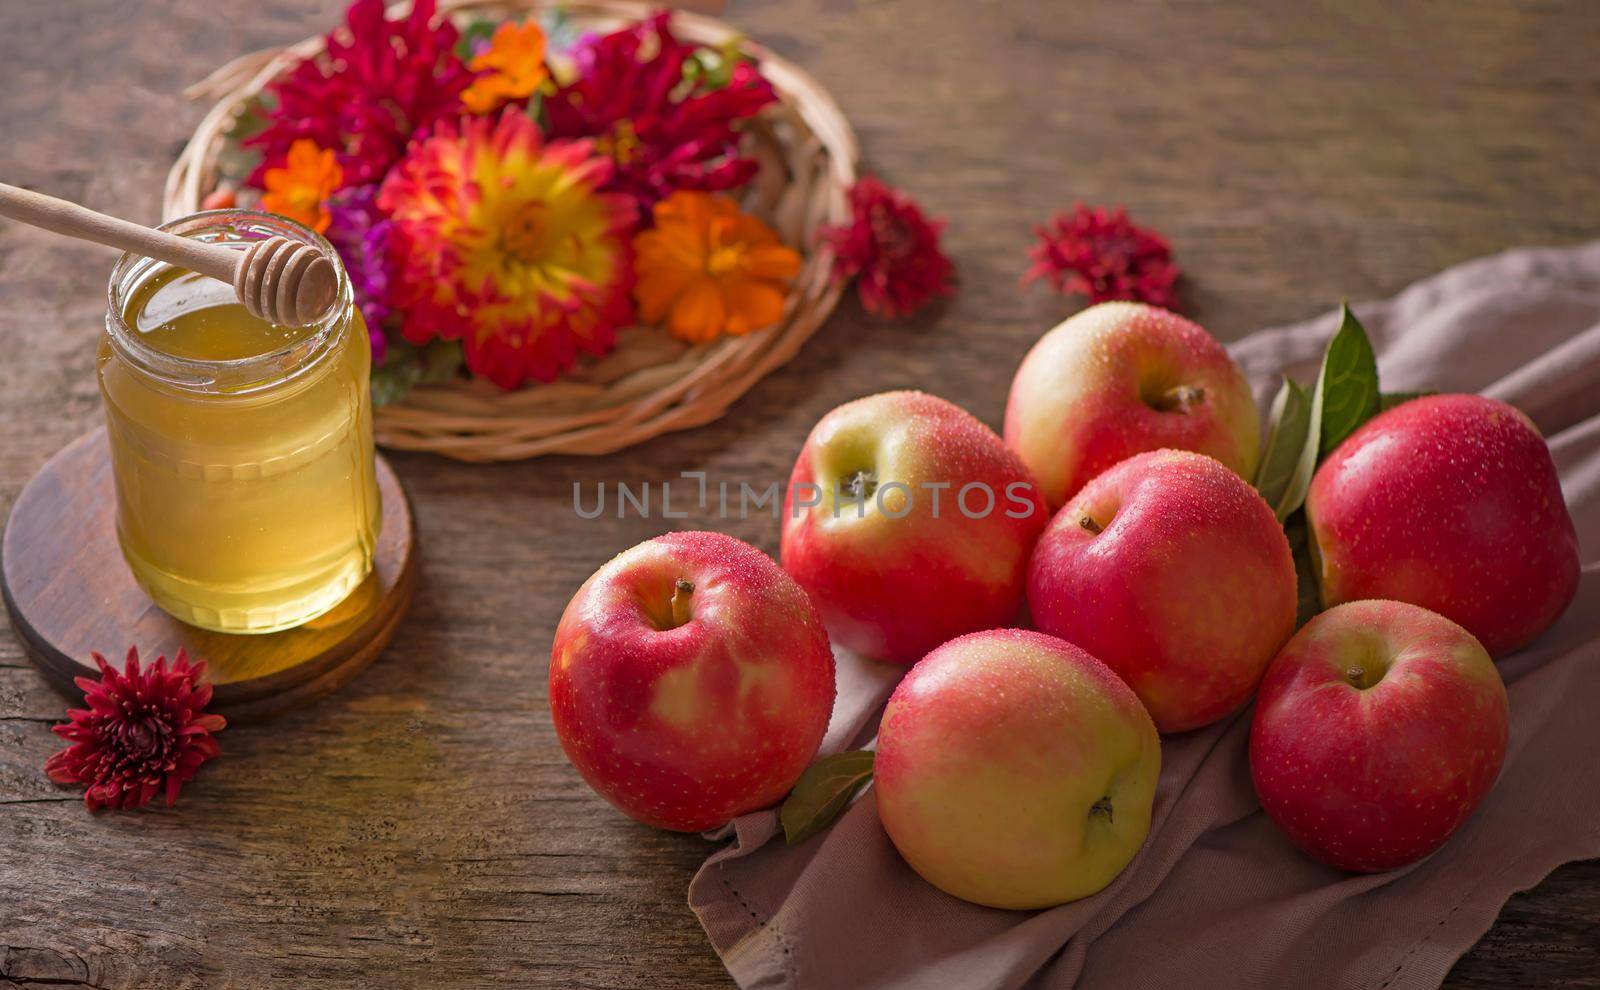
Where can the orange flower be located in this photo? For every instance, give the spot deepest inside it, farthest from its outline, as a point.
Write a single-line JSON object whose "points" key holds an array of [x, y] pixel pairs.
{"points": [[709, 268], [300, 189], [511, 68]]}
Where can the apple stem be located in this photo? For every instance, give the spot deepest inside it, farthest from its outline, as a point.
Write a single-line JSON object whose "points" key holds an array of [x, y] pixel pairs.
{"points": [[1088, 523], [861, 484], [1103, 807], [681, 592], [1361, 677], [1179, 398]]}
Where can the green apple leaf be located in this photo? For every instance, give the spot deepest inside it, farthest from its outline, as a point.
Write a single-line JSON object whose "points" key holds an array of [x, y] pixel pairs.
{"points": [[824, 790], [1305, 569], [1294, 493], [1304, 427], [1348, 382], [1344, 397], [1388, 400], [1286, 440]]}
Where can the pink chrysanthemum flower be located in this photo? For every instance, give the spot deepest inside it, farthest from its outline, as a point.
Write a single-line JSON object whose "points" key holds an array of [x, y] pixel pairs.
{"points": [[506, 243], [1101, 254]]}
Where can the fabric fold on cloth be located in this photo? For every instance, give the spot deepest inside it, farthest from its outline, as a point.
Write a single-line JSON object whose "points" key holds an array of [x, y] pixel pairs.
{"points": [[1218, 896]]}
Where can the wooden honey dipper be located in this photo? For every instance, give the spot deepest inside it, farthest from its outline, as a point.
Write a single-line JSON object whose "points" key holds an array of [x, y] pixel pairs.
{"points": [[286, 282]]}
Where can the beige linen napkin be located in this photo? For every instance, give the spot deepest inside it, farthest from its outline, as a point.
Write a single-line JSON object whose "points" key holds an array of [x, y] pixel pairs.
{"points": [[1217, 896]]}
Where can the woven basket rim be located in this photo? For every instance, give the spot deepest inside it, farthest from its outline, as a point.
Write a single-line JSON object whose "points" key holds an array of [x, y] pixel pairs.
{"points": [[467, 420]]}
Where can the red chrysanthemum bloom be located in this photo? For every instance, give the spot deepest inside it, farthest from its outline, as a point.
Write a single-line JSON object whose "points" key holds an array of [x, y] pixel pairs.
{"points": [[378, 82], [1102, 254], [145, 732], [630, 97], [891, 248]]}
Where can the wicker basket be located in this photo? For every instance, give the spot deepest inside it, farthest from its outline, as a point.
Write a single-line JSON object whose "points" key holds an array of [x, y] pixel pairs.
{"points": [[651, 383]]}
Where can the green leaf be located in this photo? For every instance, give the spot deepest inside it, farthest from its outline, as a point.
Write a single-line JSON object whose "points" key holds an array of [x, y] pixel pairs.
{"points": [[1388, 400], [1348, 382], [562, 32], [393, 380], [712, 68], [1344, 397], [234, 162], [406, 366], [822, 792], [1286, 440], [1304, 427], [400, 371], [1294, 493], [441, 361], [1305, 569], [475, 35], [255, 113]]}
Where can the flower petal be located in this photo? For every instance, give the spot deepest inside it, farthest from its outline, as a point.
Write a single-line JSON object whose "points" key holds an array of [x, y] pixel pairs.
{"points": [[756, 305], [772, 261], [699, 314]]}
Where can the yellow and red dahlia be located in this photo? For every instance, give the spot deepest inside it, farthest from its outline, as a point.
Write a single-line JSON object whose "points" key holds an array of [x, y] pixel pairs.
{"points": [[505, 242]]}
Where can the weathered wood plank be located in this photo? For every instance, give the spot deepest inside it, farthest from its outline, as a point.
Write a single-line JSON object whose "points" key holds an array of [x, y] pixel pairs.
{"points": [[422, 828]]}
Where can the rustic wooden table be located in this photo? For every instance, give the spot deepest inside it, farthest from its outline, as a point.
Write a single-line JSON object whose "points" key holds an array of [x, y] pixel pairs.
{"points": [[422, 828]]}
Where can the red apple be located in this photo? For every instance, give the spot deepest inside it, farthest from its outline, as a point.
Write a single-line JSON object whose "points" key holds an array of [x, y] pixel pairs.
{"points": [[1450, 502], [1175, 573], [1378, 730], [690, 681], [1119, 379], [1016, 771], [919, 528]]}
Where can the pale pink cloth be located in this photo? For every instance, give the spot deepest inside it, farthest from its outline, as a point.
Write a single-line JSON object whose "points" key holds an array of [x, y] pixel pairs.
{"points": [[1217, 896]]}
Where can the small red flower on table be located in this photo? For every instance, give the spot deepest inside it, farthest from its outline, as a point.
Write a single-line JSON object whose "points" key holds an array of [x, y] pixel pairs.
{"points": [[1102, 254], [145, 732], [891, 248]]}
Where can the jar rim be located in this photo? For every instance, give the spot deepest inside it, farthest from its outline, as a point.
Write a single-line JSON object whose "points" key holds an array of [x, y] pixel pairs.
{"points": [[236, 229]]}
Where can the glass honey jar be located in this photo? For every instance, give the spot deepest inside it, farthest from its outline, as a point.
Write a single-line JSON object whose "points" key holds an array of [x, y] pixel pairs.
{"points": [[241, 450]]}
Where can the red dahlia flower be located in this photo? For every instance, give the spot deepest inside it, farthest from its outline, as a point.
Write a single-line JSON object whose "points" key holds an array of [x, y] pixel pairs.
{"points": [[144, 732], [377, 83], [1102, 254], [892, 250], [630, 96]]}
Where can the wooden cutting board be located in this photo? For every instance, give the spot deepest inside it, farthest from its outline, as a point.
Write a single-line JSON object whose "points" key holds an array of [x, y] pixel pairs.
{"points": [[68, 593]]}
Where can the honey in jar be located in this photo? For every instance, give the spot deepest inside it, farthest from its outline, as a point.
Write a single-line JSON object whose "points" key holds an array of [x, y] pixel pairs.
{"points": [[242, 450]]}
